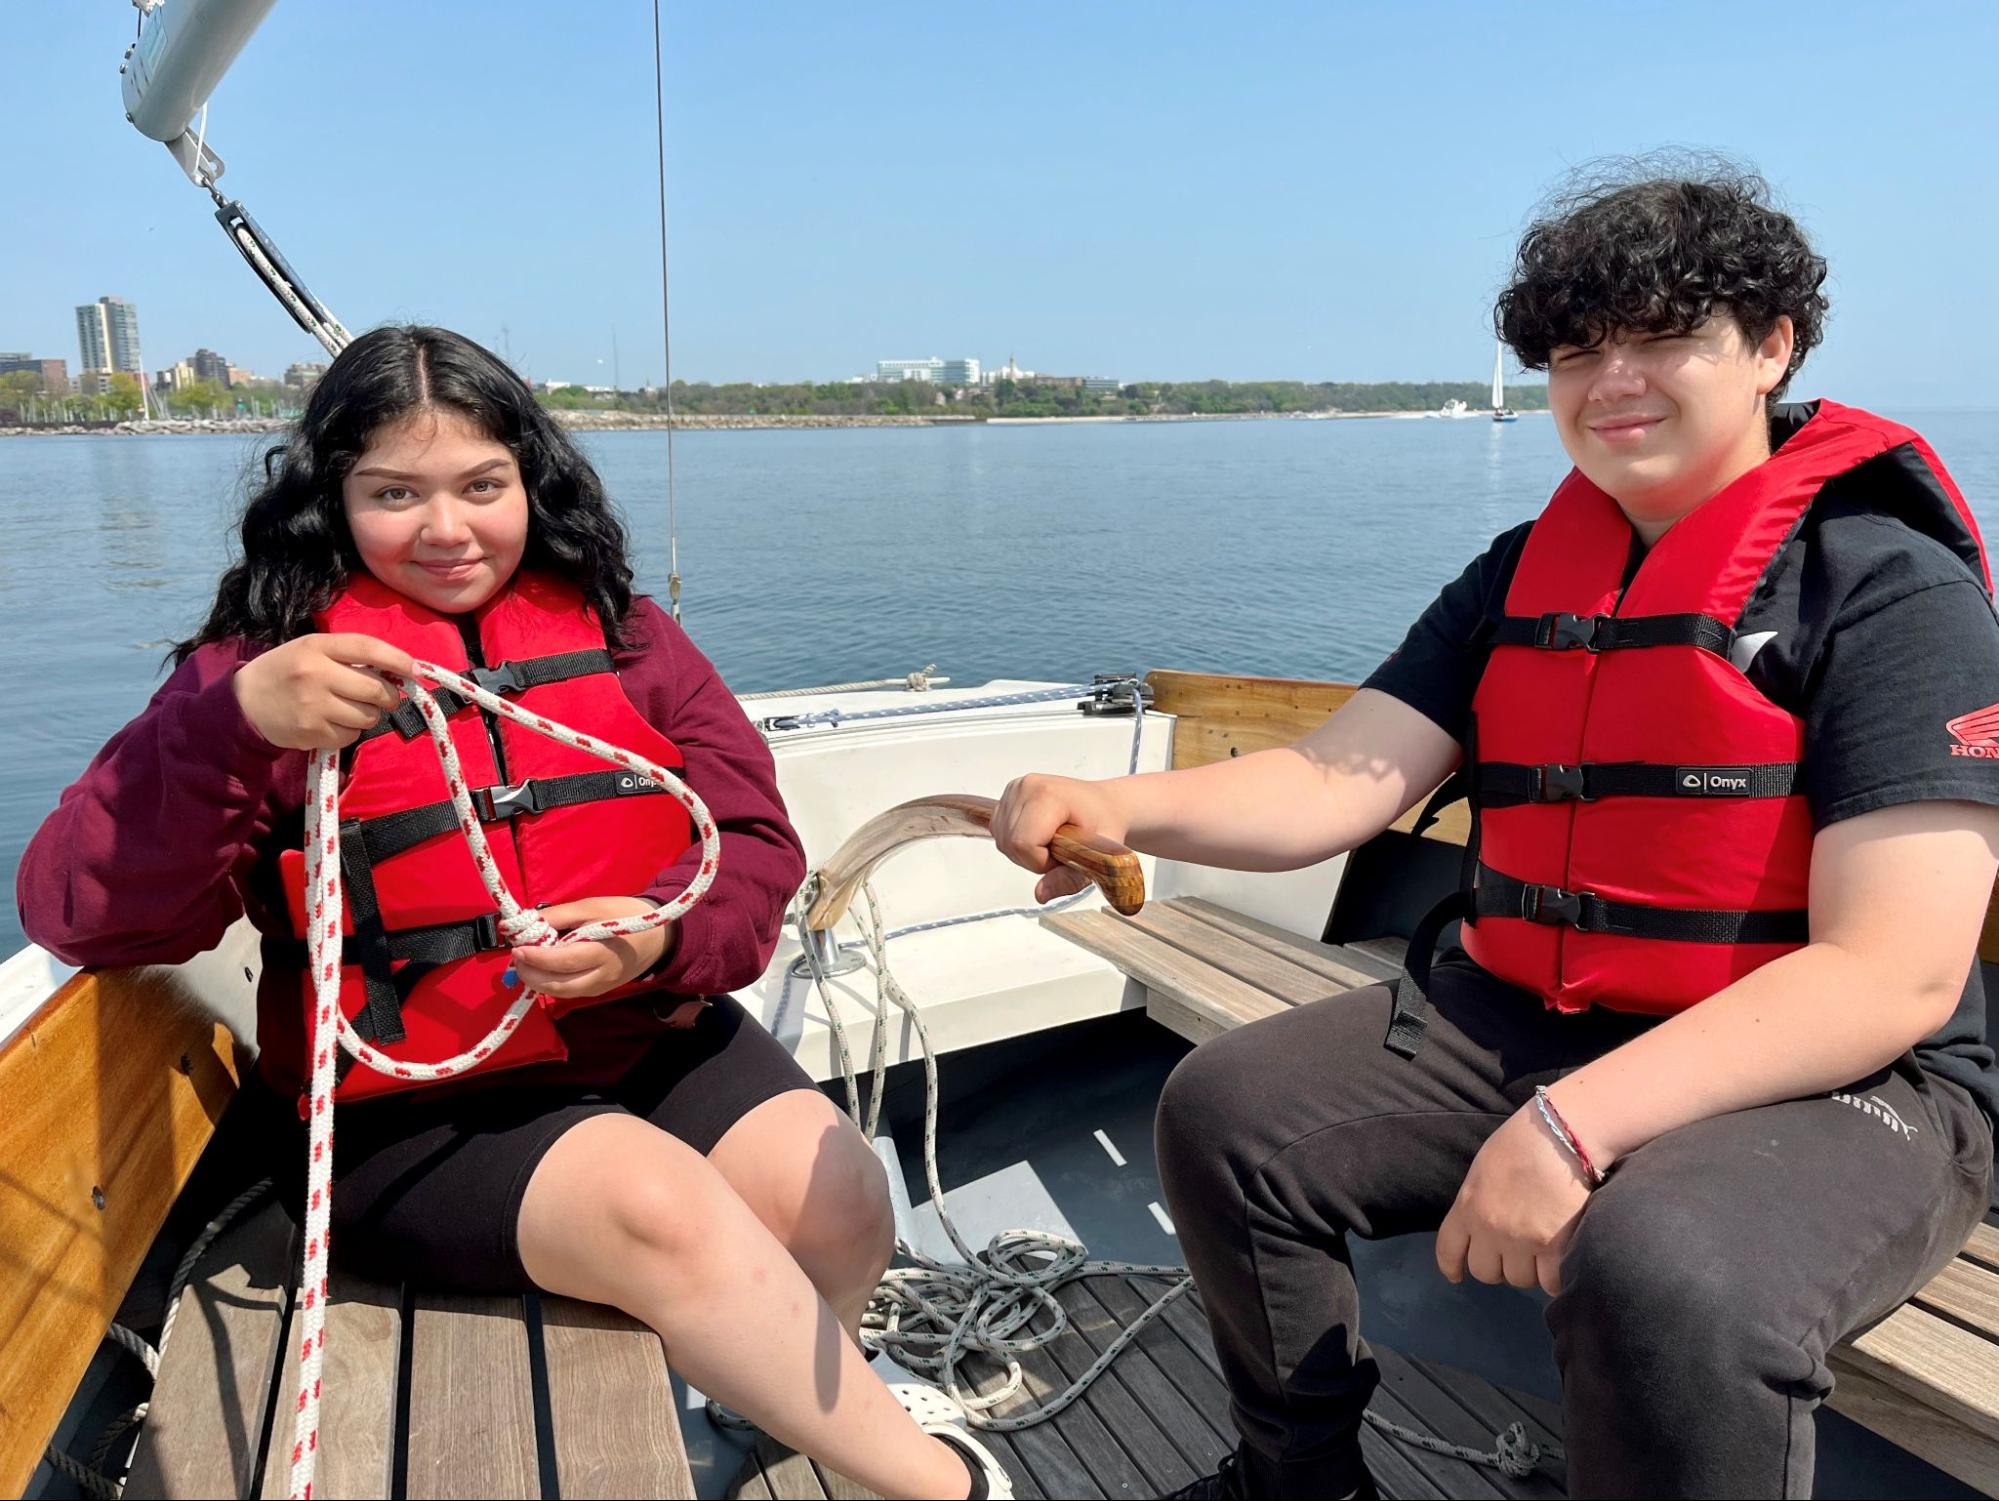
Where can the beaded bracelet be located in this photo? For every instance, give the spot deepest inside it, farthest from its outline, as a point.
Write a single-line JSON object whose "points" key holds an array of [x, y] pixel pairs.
{"points": [[1565, 1136]]}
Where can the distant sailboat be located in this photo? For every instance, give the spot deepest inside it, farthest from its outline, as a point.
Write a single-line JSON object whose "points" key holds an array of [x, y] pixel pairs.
{"points": [[1501, 412]]}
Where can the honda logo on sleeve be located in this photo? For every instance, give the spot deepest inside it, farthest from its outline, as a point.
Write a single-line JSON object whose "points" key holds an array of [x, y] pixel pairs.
{"points": [[1976, 733]]}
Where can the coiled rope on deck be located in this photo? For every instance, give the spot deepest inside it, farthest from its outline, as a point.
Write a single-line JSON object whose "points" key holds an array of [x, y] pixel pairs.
{"points": [[517, 925], [929, 1315]]}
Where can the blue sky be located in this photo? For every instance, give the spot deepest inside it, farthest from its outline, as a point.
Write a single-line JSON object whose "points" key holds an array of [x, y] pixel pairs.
{"points": [[1172, 191]]}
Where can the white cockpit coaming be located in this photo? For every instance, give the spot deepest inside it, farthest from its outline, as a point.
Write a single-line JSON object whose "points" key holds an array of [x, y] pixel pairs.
{"points": [[975, 983]]}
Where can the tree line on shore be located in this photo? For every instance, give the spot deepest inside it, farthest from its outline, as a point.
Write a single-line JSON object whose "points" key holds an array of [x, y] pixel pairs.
{"points": [[23, 400], [1027, 398]]}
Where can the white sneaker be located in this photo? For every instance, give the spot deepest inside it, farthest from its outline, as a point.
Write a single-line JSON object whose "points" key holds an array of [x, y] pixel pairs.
{"points": [[938, 1415]]}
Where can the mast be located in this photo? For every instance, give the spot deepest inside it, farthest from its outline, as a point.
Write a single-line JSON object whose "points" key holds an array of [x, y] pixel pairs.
{"points": [[1498, 390]]}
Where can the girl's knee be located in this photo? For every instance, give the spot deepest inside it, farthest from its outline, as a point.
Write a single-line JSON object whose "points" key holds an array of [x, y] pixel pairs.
{"points": [[846, 1219]]}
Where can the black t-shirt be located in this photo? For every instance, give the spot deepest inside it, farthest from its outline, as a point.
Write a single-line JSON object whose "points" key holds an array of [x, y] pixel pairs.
{"points": [[1880, 636]]}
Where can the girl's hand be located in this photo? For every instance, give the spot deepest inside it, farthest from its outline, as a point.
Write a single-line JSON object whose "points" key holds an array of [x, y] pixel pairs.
{"points": [[1033, 807], [575, 970], [312, 693], [1517, 1210]]}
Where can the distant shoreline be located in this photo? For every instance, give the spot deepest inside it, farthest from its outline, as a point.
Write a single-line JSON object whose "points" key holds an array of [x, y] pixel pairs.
{"points": [[603, 422]]}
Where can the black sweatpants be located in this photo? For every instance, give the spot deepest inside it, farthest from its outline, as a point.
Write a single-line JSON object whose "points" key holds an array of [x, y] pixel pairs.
{"points": [[1705, 1283]]}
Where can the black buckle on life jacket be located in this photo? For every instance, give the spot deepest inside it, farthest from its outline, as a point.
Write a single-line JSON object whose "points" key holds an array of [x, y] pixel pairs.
{"points": [[1560, 631], [495, 803], [486, 929], [1551, 905], [1560, 784], [506, 678]]}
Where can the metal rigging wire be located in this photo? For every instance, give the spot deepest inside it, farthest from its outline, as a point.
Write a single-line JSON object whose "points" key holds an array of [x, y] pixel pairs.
{"points": [[665, 319]]}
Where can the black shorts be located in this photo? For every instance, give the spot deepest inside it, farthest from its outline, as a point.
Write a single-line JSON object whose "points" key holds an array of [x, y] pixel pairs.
{"points": [[427, 1187]]}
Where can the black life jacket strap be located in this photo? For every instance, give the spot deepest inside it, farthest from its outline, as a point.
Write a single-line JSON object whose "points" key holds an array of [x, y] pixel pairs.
{"points": [[1411, 1011], [1496, 894], [428, 946], [1560, 631], [368, 946], [391, 833], [440, 943], [508, 677], [1503, 784]]}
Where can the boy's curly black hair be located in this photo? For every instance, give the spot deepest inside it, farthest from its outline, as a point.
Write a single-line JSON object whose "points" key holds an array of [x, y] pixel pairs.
{"points": [[1654, 245]]}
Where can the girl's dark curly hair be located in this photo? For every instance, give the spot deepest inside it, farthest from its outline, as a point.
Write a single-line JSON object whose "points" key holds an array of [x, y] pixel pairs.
{"points": [[1655, 245], [297, 551]]}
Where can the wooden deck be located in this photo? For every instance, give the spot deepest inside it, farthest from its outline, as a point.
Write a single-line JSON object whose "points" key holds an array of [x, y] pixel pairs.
{"points": [[431, 1395], [1158, 1418]]}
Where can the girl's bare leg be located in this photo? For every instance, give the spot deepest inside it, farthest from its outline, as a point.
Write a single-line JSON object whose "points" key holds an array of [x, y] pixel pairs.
{"points": [[806, 1171], [620, 1212]]}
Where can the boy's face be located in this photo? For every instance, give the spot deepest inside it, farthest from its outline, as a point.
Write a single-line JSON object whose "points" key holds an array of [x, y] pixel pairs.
{"points": [[1660, 422]]}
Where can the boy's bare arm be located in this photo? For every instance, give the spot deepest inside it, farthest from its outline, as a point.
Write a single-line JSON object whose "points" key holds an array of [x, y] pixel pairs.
{"points": [[1273, 810]]}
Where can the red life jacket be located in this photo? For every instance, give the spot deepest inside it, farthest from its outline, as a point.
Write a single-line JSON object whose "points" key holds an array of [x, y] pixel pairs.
{"points": [[423, 958], [1641, 837]]}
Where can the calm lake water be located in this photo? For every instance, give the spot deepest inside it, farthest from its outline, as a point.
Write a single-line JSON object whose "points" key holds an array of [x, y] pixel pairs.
{"points": [[1292, 548]]}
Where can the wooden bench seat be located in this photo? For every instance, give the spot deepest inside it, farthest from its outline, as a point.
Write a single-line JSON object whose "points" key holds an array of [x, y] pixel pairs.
{"points": [[505, 1396], [1926, 1377]]}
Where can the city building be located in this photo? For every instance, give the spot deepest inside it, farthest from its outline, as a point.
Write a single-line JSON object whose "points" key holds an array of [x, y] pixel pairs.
{"points": [[895, 370], [304, 374], [93, 382], [959, 373], [236, 375], [1103, 385], [1009, 371], [209, 366], [176, 377], [54, 373], [107, 334]]}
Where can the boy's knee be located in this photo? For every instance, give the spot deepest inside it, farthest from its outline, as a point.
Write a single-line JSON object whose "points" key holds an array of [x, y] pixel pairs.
{"points": [[1656, 1300], [1201, 1099]]}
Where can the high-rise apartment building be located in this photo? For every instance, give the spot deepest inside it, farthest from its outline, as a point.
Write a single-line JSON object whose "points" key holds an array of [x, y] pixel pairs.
{"points": [[107, 334], [210, 366]]}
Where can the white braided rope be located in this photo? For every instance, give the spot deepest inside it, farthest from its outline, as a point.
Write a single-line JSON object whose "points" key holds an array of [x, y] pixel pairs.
{"points": [[929, 1315], [517, 925], [136, 1345]]}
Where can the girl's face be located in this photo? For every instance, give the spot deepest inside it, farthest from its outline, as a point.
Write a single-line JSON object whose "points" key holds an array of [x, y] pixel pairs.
{"points": [[437, 511]]}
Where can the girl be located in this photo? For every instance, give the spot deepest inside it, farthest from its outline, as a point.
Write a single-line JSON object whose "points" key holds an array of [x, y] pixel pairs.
{"points": [[653, 1148]]}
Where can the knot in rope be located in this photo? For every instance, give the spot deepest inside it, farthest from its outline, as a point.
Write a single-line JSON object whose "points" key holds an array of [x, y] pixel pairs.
{"points": [[527, 928], [1516, 1453]]}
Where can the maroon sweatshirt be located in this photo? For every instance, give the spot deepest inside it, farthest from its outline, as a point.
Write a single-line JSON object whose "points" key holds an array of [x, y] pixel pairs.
{"points": [[174, 829]]}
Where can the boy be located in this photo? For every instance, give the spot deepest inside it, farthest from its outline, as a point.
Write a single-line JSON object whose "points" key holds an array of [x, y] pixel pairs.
{"points": [[1710, 1069]]}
